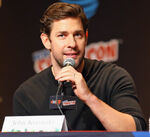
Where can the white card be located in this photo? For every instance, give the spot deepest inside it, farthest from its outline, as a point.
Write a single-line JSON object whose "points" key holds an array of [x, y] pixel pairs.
{"points": [[52, 123]]}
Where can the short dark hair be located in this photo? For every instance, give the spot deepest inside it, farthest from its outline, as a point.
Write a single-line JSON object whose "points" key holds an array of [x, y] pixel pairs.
{"points": [[61, 10]]}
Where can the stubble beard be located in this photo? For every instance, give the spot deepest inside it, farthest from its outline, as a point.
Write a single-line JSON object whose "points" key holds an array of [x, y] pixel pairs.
{"points": [[77, 65]]}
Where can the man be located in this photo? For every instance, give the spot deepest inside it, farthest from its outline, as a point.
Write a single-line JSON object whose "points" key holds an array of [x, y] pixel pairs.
{"points": [[106, 96]]}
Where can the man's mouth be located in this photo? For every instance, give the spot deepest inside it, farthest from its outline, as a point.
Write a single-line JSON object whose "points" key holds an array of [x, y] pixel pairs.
{"points": [[71, 55]]}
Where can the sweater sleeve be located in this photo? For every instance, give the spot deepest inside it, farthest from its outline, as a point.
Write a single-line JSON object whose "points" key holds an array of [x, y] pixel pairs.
{"points": [[123, 96]]}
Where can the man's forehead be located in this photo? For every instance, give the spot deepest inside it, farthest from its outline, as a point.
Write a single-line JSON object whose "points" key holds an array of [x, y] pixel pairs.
{"points": [[67, 24]]}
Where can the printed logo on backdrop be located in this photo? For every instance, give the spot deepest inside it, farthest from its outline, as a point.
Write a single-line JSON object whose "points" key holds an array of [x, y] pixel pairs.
{"points": [[89, 6], [41, 60], [106, 51]]}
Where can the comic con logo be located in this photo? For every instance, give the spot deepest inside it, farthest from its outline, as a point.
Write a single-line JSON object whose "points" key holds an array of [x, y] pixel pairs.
{"points": [[89, 6], [41, 60], [106, 51]]}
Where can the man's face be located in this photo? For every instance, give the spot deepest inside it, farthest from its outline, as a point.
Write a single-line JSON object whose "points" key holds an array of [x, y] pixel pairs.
{"points": [[67, 40]]}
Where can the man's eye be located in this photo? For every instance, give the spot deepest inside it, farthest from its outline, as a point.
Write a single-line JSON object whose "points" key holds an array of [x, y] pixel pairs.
{"points": [[60, 35], [78, 35]]}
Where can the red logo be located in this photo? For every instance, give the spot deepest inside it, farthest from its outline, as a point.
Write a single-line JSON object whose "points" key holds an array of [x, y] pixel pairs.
{"points": [[106, 51], [54, 102]]}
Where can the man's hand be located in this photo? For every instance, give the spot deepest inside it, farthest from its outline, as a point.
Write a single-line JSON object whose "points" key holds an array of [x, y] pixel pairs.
{"points": [[79, 85]]}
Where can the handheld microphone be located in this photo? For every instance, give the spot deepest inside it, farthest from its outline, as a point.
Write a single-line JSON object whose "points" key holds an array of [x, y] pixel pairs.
{"points": [[59, 100], [67, 62]]}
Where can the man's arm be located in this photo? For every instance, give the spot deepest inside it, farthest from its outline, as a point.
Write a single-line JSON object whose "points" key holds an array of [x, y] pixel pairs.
{"points": [[111, 119]]}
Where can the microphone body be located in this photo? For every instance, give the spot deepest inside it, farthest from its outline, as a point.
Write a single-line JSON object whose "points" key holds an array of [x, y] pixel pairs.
{"points": [[67, 62], [61, 101]]}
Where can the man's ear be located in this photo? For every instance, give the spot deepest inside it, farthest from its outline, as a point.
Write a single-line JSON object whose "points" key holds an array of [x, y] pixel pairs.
{"points": [[45, 41]]}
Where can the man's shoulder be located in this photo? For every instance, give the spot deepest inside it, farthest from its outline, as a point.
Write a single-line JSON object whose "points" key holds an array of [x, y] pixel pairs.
{"points": [[99, 65], [104, 68], [39, 76], [36, 80]]}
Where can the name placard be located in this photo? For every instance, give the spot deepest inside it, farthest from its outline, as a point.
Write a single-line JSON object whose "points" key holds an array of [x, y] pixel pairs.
{"points": [[53, 123]]}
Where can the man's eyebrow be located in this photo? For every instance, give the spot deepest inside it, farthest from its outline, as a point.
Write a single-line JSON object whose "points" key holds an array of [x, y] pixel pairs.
{"points": [[62, 32]]}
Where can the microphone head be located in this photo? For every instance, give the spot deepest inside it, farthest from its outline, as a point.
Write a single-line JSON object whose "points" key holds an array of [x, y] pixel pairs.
{"points": [[69, 62]]}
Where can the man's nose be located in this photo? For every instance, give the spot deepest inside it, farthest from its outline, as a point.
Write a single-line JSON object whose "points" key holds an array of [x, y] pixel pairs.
{"points": [[71, 41]]}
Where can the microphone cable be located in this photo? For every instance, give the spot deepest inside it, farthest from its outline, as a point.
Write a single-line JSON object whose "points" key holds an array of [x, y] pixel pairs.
{"points": [[59, 90], [67, 62]]}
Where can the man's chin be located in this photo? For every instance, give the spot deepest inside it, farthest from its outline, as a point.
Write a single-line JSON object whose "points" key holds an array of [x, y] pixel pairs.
{"points": [[78, 63]]}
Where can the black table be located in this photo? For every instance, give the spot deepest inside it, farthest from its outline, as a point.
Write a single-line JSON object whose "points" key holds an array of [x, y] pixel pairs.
{"points": [[77, 134]]}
